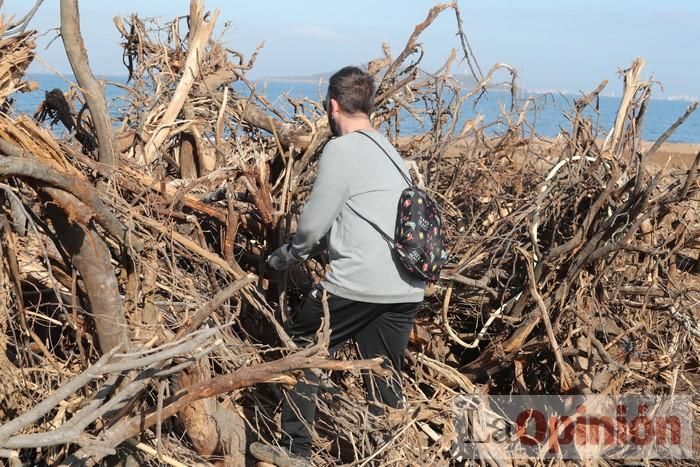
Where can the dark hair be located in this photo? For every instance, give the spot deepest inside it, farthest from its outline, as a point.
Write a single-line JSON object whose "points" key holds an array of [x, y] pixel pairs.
{"points": [[353, 88]]}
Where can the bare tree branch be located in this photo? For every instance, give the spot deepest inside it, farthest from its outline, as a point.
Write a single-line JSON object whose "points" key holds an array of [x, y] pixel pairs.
{"points": [[92, 90]]}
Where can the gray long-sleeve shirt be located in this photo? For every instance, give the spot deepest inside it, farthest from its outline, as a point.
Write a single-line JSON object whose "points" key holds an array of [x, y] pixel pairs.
{"points": [[354, 172]]}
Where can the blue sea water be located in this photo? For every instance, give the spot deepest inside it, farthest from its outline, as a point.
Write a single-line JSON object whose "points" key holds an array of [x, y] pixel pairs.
{"points": [[547, 115]]}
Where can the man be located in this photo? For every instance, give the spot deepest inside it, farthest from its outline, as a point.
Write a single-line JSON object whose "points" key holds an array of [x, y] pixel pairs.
{"points": [[371, 297]]}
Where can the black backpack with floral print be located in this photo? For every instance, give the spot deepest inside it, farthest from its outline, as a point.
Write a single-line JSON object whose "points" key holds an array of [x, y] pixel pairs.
{"points": [[418, 238]]}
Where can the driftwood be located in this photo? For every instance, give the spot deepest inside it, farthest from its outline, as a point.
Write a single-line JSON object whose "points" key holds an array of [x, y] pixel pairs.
{"points": [[93, 91], [139, 318]]}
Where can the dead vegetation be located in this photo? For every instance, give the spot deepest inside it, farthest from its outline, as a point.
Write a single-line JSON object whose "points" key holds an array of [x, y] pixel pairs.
{"points": [[137, 317]]}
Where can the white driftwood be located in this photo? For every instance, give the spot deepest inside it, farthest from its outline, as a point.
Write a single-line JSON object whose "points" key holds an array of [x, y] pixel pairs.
{"points": [[200, 32]]}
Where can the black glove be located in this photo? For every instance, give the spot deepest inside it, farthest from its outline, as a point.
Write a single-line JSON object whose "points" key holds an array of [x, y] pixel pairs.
{"points": [[282, 258]]}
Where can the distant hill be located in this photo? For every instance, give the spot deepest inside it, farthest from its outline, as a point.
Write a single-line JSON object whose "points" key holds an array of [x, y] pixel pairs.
{"points": [[463, 79], [300, 79]]}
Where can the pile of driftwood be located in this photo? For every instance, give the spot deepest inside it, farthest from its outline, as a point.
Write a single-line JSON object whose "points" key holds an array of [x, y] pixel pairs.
{"points": [[138, 321]]}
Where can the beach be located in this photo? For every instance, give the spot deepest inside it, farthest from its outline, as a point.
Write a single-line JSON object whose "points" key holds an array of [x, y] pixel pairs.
{"points": [[676, 155]]}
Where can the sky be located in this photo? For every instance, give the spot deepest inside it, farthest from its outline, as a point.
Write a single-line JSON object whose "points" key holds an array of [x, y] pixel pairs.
{"points": [[568, 45]]}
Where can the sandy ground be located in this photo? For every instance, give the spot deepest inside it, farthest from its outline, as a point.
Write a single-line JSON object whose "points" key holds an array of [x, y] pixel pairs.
{"points": [[677, 155]]}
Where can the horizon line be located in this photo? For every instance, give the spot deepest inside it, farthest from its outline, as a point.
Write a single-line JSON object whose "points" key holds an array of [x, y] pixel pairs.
{"points": [[307, 79]]}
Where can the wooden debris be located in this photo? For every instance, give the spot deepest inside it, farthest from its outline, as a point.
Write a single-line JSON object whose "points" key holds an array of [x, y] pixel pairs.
{"points": [[138, 314]]}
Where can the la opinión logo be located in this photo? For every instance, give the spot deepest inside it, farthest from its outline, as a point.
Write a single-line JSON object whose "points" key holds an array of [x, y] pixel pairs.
{"points": [[574, 427], [535, 428]]}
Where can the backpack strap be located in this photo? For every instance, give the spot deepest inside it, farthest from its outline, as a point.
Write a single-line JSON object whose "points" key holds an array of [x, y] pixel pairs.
{"points": [[408, 180]]}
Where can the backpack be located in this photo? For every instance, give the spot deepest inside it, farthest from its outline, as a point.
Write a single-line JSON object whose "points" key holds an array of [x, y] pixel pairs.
{"points": [[418, 238]]}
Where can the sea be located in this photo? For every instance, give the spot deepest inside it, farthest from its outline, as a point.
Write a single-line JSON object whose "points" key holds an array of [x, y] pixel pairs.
{"points": [[548, 113]]}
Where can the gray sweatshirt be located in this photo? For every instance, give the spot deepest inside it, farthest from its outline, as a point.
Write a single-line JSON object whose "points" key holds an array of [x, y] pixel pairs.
{"points": [[354, 172]]}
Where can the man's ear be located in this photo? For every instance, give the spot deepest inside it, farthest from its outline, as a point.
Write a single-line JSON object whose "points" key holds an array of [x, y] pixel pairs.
{"points": [[335, 107]]}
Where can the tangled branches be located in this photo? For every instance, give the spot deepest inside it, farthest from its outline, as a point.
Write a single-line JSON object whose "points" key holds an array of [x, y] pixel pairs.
{"points": [[138, 309]]}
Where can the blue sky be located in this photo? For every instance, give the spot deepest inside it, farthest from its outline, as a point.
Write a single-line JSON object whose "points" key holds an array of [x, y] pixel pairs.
{"points": [[565, 44]]}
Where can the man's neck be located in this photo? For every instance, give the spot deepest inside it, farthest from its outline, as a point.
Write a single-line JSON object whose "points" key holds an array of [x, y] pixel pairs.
{"points": [[353, 123]]}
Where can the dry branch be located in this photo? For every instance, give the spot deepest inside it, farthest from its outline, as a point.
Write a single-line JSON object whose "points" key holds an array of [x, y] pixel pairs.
{"points": [[199, 34], [92, 90]]}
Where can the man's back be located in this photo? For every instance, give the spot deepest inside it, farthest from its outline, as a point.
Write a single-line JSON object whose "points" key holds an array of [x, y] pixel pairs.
{"points": [[371, 299], [355, 173]]}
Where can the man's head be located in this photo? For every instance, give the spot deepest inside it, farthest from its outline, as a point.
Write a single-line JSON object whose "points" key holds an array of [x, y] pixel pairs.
{"points": [[350, 95]]}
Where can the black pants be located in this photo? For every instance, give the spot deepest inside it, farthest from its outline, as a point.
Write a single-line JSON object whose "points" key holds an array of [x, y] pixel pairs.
{"points": [[380, 330]]}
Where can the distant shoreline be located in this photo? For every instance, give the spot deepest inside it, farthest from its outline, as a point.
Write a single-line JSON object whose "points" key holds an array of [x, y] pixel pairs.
{"points": [[290, 80], [315, 80]]}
